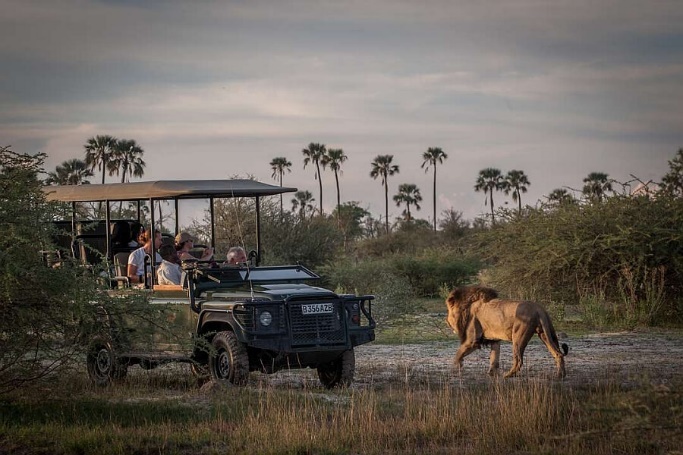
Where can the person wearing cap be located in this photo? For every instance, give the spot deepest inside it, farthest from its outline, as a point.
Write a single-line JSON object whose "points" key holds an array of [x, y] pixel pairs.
{"points": [[184, 243]]}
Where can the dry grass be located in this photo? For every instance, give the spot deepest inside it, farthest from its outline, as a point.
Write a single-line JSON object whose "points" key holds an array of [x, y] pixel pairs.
{"points": [[167, 413]]}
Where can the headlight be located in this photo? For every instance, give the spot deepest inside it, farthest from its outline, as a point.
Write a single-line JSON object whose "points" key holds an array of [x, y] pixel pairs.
{"points": [[265, 318]]}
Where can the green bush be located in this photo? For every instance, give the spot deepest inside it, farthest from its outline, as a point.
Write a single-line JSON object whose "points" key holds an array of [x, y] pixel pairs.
{"points": [[432, 271], [290, 240], [425, 275], [626, 253], [42, 309]]}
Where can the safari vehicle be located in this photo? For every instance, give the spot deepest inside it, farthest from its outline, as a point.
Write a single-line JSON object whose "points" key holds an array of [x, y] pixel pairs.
{"points": [[225, 321]]}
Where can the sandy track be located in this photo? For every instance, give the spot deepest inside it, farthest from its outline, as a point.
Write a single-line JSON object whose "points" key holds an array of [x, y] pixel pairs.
{"points": [[623, 358]]}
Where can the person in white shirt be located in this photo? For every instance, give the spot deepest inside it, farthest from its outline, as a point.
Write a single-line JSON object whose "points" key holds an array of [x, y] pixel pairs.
{"points": [[169, 271], [136, 260], [236, 256]]}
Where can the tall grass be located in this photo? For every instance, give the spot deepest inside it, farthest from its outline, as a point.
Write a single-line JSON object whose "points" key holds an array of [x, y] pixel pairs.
{"points": [[519, 416]]}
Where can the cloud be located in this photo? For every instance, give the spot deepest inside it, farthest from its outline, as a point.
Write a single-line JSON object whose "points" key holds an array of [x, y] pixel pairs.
{"points": [[557, 89]]}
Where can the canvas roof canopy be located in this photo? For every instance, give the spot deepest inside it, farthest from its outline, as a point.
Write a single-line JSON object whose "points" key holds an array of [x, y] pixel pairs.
{"points": [[163, 189]]}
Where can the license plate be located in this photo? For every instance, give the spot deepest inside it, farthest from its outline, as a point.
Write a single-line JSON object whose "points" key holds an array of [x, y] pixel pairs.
{"points": [[316, 308]]}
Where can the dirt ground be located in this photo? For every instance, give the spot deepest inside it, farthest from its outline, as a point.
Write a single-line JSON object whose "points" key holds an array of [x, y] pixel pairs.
{"points": [[623, 358]]}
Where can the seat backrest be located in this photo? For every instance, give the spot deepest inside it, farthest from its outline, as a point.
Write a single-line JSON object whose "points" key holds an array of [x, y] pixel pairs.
{"points": [[121, 263]]}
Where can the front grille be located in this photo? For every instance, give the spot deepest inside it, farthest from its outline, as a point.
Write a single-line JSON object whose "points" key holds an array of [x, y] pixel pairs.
{"points": [[316, 329], [244, 316]]}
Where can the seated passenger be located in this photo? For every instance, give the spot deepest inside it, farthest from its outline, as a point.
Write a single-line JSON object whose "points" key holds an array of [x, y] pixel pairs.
{"points": [[120, 236], [236, 256], [184, 243], [136, 229], [169, 271], [136, 260]]}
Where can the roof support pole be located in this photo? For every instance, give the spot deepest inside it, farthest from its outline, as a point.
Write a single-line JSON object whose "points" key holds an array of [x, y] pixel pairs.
{"points": [[213, 224], [258, 230], [73, 229], [177, 222], [152, 256], [107, 228]]}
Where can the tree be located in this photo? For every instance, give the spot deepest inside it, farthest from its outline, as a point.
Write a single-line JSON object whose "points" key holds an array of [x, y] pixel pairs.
{"points": [[44, 311], [382, 167], [70, 172], [316, 154], [452, 223], [408, 194], [335, 158], [303, 202], [98, 153], [516, 182], [596, 186], [126, 160], [350, 217], [431, 157], [279, 165], [489, 179], [672, 182], [560, 196]]}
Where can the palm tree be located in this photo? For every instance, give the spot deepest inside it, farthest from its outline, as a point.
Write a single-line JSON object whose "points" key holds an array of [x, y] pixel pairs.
{"points": [[516, 182], [489, 179], [596, 186], [70, 172], [317, 154], [98, 151], [126, 160], [382, 167], [431, 157], [560, 196], [408, 194], [335, 158], [303, 202], [279, 165]]}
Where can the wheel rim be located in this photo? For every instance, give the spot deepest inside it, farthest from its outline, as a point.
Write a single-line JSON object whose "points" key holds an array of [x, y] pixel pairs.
{"points": [[224, 364], [103, 361]]}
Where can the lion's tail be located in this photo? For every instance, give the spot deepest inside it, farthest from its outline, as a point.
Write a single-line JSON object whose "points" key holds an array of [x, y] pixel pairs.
{"points": [[549, 330]]}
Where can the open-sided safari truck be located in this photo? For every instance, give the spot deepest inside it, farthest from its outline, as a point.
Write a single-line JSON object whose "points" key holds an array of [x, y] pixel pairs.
{"points": [[224, 321]]}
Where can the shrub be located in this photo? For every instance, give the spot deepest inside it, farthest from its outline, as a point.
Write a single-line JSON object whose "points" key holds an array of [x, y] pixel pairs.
{"points": [[435, 269], [425, 275], [626, 252], [42, 309]]}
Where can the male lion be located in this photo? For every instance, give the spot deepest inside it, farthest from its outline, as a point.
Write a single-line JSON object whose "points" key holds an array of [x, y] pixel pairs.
{"points": [[479, 317]]}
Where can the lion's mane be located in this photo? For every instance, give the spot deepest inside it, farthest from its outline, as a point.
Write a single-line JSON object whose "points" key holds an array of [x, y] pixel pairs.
{"points": [[462, 298]]}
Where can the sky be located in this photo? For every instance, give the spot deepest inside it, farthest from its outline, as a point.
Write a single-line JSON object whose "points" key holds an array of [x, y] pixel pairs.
{"points": [[217, 89]]}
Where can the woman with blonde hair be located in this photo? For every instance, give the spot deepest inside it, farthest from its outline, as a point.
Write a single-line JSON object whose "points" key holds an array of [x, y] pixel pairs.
{"points": [[136, 260]]}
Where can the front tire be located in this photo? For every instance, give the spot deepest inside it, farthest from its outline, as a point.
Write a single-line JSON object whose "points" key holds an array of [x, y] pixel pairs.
{"points": [[229, 361], [103, 364], [339, 372]]}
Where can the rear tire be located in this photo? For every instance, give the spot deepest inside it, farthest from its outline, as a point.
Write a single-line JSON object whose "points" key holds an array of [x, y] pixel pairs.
{"points": [[339, 372], [229, 361], [103, 364]]}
